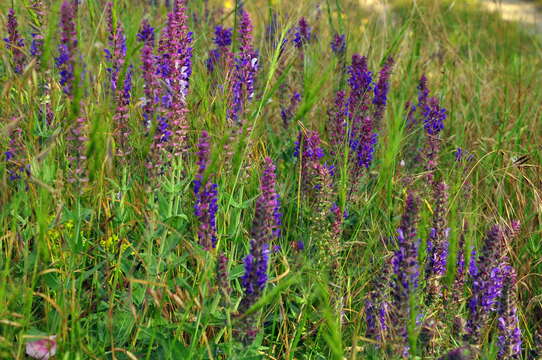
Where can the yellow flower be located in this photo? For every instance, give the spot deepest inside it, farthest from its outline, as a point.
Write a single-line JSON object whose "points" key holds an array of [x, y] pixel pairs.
{"points": [[229, 4]]}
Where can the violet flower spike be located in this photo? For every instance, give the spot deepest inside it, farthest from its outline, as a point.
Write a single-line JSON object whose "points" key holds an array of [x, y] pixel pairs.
{"points": [[406, 271], [337, 122], [381, 90], [303, 33], [509, 333], [487, 282], [221, 54], [148, 68], [338, 45], [65, 62], [206, 193], [15, 43], [244, 75]]}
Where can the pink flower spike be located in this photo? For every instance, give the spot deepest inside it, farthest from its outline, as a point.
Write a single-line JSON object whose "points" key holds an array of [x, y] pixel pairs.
{"points": [[42, 349]]}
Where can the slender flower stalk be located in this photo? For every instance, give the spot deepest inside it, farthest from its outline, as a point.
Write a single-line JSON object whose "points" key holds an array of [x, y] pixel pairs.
{"points": [[338, 45], [509, 339], [437, 244], [146, 36], [77, 157], [406, 273], [116, 53], [206, 194], [337, 123], [487, 282], [303, 33], [288, 112], [16, 165], [309, 153], [361, 85], [434, 117], [15, 43], [122, 116], [459, 281], [37, 10], [222, 278], [423, 95], [221, 55], [244, 75], [264, 230], [65, 62], [381, 90]]}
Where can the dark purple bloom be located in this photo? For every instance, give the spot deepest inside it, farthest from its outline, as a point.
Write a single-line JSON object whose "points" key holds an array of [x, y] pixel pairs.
{"points": [[303, 33], [434, 117], [15, 43], [221, 54], [65, 62], [206, 194], [148, 68], [116, 53], [77, 157], [487, 281], [381, 90], [437, 247], [406, 271], [255, 277], [338, 44], [268, 218], [337, 123], [16, 165], [175, 69], [223, 280], [361, 85], [121, 119], [423, 95], [509, 339], [287, 113], [244, 74], [36, 46]]}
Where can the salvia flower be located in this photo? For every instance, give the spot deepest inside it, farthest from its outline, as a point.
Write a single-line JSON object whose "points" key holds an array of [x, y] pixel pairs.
{"points": [[221, 54], [437, 243], [16, 165], [434, 117], [246, 68], [148, 68], [36, 46], [15, 43], [509, 338], [406, 272], [338, 44], [267, 218], [459, 281], [309, 152], [121, 118], [381, 90], [222, 276], [337, 123], [487, 281], [116, 53], [303, 33], [287, 113], [423, 95], [206, 193], [377, 305], [361, 84], [65, 62], [179, 62], [77, 157]]}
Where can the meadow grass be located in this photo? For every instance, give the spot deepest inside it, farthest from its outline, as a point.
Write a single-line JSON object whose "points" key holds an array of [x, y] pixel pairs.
{"points": [[114, 268]]}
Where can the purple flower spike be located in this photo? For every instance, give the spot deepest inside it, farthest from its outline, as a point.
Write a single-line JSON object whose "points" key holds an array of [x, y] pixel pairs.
{"points": [[381, 91], [338, 45], [221, 54], [148, 68], [434, 117], [437, 243], [206, 194], [77, 157], [36, 46], [487, 281], [65, 62], [116, 53], [268, 218], [509, 339], [303, 33], [406, 271], [287, 113], [122, 116], [16, 165], [244, 75], [337, 122], [15, 43]]}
